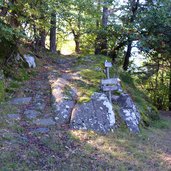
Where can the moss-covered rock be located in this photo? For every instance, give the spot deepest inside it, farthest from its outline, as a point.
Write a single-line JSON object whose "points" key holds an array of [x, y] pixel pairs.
{"points": [[148, 112]]}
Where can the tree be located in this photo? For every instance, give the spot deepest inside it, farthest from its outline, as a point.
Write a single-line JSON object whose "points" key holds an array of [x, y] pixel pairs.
{"points": [[155, 43], [53, 33]]}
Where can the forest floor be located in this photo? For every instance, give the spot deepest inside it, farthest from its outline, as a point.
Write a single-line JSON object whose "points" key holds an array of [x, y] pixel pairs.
{"points": [[31, 140]]}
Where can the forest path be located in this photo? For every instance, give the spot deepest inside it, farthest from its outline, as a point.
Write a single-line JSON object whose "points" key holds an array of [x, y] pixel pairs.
{"points": [[31, 105], [31, 140]]}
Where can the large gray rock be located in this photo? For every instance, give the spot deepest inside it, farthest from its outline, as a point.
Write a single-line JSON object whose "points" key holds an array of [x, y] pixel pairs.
{"points": [[128, 111], [30, 60], [96, 115], [63, 101]]}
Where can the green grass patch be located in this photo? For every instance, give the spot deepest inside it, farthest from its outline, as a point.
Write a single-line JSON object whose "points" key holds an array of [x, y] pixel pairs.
{"points": [[161, 124], [2, 91]]}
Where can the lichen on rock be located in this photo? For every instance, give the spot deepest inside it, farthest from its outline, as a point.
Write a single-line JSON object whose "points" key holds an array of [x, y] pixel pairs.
{"points": [[96, 115], [30, 60]]}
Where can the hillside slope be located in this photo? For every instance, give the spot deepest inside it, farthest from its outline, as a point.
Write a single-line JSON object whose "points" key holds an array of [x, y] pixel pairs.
{"points": [[31, 139]]}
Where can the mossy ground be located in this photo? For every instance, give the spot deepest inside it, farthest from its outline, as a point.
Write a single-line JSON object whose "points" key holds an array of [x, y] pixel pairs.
{"points": [[82, 150], [2, 91]]}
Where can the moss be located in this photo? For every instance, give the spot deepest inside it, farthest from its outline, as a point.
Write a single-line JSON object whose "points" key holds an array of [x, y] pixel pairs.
{"points": [[21, 75], [147, 110], [6, 108], [68, 92], [2, 91], [93, 76], [89, 84]]}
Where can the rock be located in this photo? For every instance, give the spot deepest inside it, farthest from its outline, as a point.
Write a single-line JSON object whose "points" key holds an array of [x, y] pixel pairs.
{"points": [[128, 112], [21, 101], [45, 122], [14, 116], [40, 106], [96, 115], [63, 100], [63, 111], [31, 114], [30, 60]]}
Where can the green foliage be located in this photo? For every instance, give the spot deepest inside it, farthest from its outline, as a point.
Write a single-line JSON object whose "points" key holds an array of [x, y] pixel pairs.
{"points": [[148, 112], [2, 91]]}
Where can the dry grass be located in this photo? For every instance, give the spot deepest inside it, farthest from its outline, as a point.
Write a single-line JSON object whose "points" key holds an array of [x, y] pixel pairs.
{"points": [[81, 150]]}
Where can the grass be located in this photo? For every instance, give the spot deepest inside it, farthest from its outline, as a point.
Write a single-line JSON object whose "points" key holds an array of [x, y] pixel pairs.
{"points": [[2, 91], [90, 69], [147, 110], [86, 150]]}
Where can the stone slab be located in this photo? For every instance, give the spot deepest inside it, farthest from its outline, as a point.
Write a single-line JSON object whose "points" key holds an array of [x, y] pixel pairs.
{"points": [[45, 121], [96, 115], [21, 101]]}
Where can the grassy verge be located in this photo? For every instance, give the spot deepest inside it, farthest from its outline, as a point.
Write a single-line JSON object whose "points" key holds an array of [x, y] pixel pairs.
{"points": [[80, 150]]}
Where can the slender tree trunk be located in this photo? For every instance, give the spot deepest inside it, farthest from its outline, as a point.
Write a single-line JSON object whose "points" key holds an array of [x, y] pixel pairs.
{"points": [[134, 8], [97, 47], [53, 33], [42, 38], [36, 38], [127, 56], [170, 89], [101, 40], [77, 40], [77, 46], [104, 35], [13, 18], [97, 41]]}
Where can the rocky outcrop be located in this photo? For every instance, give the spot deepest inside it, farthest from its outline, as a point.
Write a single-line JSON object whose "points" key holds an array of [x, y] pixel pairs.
{"points": [[63, 100], [128, 111], [30, 60], [96, 115]]}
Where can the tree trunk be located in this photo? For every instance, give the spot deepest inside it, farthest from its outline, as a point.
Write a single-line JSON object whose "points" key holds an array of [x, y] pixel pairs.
{"points": [[170, 90], [53, 33], [134, 8], [97, 41], [36, 38], [77, 46], [42, 39], [77, 41], [127, 56], [104, 26], [13, 17], [101, 39]]}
